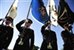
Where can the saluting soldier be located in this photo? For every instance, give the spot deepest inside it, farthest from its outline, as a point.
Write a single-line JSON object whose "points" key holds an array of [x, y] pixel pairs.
{"points": [[68, 38], [49, 38], [25, 40], [6, 33]]}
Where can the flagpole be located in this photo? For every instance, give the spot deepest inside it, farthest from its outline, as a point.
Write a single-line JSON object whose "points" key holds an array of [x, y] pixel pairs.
{"points": [[29, 10], [49, 11]]}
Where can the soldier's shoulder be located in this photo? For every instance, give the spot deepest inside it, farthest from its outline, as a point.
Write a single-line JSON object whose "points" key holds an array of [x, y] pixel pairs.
{"points": [[52, 31], [31, 30], [2, 26], [64, 31]]}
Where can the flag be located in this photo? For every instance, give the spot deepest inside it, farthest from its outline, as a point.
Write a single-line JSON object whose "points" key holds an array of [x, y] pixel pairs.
{"points": [[53, 13], [39, 11], [13, 10], [65, 14]]}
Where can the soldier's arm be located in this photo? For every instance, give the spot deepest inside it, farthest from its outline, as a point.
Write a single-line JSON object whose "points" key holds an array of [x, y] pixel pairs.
{"points": [[32, 40], [54, 36], [55, 41], [9, 36], [18, 26], [44, 26]]}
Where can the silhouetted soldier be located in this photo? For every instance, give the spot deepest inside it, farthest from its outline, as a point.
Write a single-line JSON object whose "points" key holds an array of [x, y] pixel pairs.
{"points": [[6, 33], [68, 38], [26, 37], [49, 38]]}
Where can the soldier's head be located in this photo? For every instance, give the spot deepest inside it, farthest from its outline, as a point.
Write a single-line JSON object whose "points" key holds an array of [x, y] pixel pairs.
{"points": [[28, 23], [8, 20]]}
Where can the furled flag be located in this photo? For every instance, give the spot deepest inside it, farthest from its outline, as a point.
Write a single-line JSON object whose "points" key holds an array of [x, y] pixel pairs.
{"points": [[65, 14], [13, 10], [39, 11], [53, 13]]}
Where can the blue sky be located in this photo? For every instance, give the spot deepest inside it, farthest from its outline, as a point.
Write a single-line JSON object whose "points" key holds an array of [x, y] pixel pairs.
{"points": [[22, 11]]}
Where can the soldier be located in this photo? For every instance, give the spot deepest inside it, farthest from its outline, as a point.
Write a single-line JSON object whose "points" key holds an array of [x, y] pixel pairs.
{"points": [[49, 38], [6, 33], [67, 37], [26, 37]]}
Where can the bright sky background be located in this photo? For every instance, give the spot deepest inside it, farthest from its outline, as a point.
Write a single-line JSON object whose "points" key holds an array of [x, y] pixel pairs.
{"points": [[22, 11]]}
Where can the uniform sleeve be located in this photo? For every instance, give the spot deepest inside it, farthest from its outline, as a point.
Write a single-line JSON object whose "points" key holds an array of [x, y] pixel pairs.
{"points": [[18, 26], [43, 31], [32, 40], [55, 36], [63, 34], [54, 41], [1, 29], [43, 27], [9, 36]]}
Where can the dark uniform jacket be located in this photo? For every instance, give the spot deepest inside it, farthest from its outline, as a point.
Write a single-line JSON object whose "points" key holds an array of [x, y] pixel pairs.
{"points": [[6, 34], [68, 40], [26, 34], [48, 36]]}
